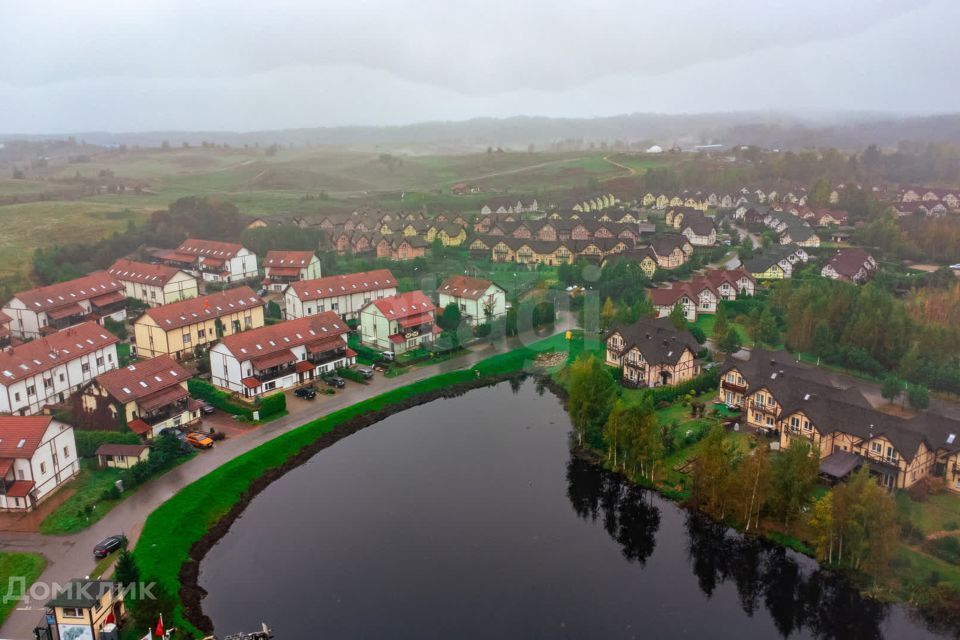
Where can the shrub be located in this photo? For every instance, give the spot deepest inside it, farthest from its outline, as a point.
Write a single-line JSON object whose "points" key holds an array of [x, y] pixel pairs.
{"points": [[89, 441], [273, 405], [220, 399], [351, 374]]}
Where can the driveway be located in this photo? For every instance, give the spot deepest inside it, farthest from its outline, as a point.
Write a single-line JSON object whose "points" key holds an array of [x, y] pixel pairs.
{"points": [[71, 556]]}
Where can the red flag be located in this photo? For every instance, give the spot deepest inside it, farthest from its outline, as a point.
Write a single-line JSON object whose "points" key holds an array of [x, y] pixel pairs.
{"points": [[159, 630], [110, 618]]}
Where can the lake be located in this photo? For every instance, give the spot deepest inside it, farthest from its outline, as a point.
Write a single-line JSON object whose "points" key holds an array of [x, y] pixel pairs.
{"points": [[468, 518]]}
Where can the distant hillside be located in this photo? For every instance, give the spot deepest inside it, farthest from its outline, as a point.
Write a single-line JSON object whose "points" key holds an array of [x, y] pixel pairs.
{"points": [[768, 129]]}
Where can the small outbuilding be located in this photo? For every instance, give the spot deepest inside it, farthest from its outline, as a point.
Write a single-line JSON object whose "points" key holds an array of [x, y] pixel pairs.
{"points": [[122, 456]]}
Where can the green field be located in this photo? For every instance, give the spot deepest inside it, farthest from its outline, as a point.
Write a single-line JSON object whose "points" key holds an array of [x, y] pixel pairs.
{"points": [[28, 566]]}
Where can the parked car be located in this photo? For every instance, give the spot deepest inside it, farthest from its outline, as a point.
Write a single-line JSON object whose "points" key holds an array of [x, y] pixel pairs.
{"points": [[179, 435], [199, 440], [389, 356], [108, 545], [307, 393], [365, 371], [206, 408], [336, 381]]}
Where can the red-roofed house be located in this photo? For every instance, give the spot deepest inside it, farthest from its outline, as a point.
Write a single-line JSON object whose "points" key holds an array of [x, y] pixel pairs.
{"points": [[48, 370], [399, 323], [154, 284], [344, 294], [284, 267], [703, 293], [280, 356], [480, 301], [45, 310], [213, 261], [37, 455], [150, 396], [850, 264]]}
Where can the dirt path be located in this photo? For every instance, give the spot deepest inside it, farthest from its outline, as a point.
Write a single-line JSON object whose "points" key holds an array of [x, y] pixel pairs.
{"points": [[630, 170]]}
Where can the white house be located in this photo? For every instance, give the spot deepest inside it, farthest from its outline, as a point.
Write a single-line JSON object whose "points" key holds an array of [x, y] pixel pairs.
{"points": [[280, 356], [344, 294], [37, 455], [213, 261], [480, 301], [45, 310], [283, 267], [48, 370], [154, 284], [699, 230], [399, 323]]}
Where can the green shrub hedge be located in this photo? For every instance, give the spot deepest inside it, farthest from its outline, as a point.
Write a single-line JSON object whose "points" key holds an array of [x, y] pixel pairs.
{"points": [[351, 374], [220, 399], [89, 441], [703, 382], [272, 406]]}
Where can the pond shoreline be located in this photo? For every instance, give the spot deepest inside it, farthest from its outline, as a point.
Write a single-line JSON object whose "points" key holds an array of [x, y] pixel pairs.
{"points": [[192, 594]]}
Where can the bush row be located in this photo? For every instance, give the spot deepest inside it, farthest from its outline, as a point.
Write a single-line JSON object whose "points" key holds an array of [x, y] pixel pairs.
{"points": [[704, 382], [351, 374], [220, 399], [89, 441]]}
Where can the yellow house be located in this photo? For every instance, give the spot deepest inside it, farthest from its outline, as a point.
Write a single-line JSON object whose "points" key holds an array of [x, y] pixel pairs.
{"points": [[84, 607], [122, 456], [451, 235], [179, 329]]}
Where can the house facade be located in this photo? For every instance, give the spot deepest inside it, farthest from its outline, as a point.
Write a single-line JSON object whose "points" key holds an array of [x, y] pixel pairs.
{"points": [[48, 370], [212, 260], [399, 323], [480, 301], [37, 456], [45, 310], [850, 265], [84, 607], [652, 352], [179, 329], [154, 284], [282, 268], [344, 294], [280, 356]]}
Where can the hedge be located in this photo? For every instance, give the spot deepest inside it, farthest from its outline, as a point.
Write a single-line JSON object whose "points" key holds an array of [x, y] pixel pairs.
{"points": [[220, 399], [351, 374], [700, 384], [272, 405], [89, 441]]}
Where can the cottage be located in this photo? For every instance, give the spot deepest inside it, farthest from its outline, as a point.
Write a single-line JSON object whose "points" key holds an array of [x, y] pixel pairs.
{"points": [[652, 352], [399, 323], [48, 370], [147, 397], [281, 356], [672, 250], [85, 607], [38, 455], [343, 294], [850, 265], [45, 310], [699, 230], [183, 328], [283, 267], [213, 261], [122, 456], [154, 284], [480, 301]]}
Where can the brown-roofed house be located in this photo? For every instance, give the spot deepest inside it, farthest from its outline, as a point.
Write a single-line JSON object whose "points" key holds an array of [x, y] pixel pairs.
{"points": [[343, 294], [122, 456], [480, 301], [850, 265], [154, 284], [652, 352], [37, 455], [284, 267], [399, 323], [45, 310], [212, 260]]}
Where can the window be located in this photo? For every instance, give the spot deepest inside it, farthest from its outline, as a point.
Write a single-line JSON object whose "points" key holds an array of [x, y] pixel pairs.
{"points": [[31, 390], [876, 447], [201, 333], [71, 612], [186, 337], [16, 396], [62, 378], [47, 383], [66, 453], [43, 468], [85, 367], [248, 322], [100, 361], [334, 306]]}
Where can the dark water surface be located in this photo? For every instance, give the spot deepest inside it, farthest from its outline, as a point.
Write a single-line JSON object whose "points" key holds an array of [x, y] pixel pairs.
{"points": [[467, 518]]}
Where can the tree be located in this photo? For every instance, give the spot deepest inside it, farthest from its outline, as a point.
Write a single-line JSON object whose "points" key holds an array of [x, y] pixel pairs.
{"points": [[643, 444], [730, 342], [608, 314], [273, 309], [591, 395], [890, 389], [697, 333], [720, 323], [451, 318], [613, 431], [918, 397], [745, 250], [795, 473], [677, 317], [127, 570], [751, 483], [712, 473]]}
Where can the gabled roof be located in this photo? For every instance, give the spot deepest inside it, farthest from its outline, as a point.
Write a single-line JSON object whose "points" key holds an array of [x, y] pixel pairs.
{"points": [[143, 379], [21, 435], [112, 449], [283, 336], [209, 248], [297, 259], [70, 292], [403, 305], [657, 339], [46, 353], [848, 261], [214, 305], [465, 287], [345, 284], [142, 272]]}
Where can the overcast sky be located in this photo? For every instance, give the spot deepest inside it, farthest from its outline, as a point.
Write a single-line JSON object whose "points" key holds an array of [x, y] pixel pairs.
{"points": [[136, 65]]}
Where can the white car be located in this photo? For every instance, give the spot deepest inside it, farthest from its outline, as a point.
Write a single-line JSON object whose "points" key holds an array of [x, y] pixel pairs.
{"points": [[955, 267]]}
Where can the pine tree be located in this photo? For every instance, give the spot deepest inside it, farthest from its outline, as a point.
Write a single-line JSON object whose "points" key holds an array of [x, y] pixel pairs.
{"points": [[677, 317]]}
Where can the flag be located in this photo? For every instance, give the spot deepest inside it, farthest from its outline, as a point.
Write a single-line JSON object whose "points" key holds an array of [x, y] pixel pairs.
{"points": [[149, 636], [110, 618], [159, 630]]}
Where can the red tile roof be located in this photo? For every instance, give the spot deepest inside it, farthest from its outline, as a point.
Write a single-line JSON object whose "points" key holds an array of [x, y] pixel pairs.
{"points": [[297, 259], [344, 284], [142, 272], [142, 379], [403, 305], [464, 287], [215, 305], [21, 435], [45, 353], [110, 449], [283, 336], [20, 488], [209, 248], [69, 292], [139, 427]]}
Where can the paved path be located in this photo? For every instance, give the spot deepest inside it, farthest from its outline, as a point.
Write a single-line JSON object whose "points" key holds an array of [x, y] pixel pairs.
{"points": [[71, 556]]}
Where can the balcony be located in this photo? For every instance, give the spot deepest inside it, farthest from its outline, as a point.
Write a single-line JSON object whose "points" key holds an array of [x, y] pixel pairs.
{"points": [[327, 356], [759, 406], [739, 388]]}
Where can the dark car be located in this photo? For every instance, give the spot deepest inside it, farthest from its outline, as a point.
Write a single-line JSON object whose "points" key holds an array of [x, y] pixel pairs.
{"points": [[336, 381], [307, 393], [179, 435], [366, 372], [108, 545], [206, 407]]}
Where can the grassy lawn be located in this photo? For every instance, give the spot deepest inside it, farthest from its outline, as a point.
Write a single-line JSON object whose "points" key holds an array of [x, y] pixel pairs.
{"points": [[938, 513], [15, 565], [71, 516]]}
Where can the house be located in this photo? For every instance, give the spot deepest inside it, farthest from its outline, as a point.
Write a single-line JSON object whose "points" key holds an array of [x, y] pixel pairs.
{"points": [[480, 301], [146, 396], [801, 235], [6, 334], [652, 352], [449, 234], [401, 247], [343, 294], [280, 356], [731, 283], [283, 267], [84, 608], [38, 454], [776, 263], [182, 328], [47, 370], [693, 297], [672, 250], [212, 260], [399, 323], [850, 265], [154, 284], [122, 456], [699, 230], [44, 310]]}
